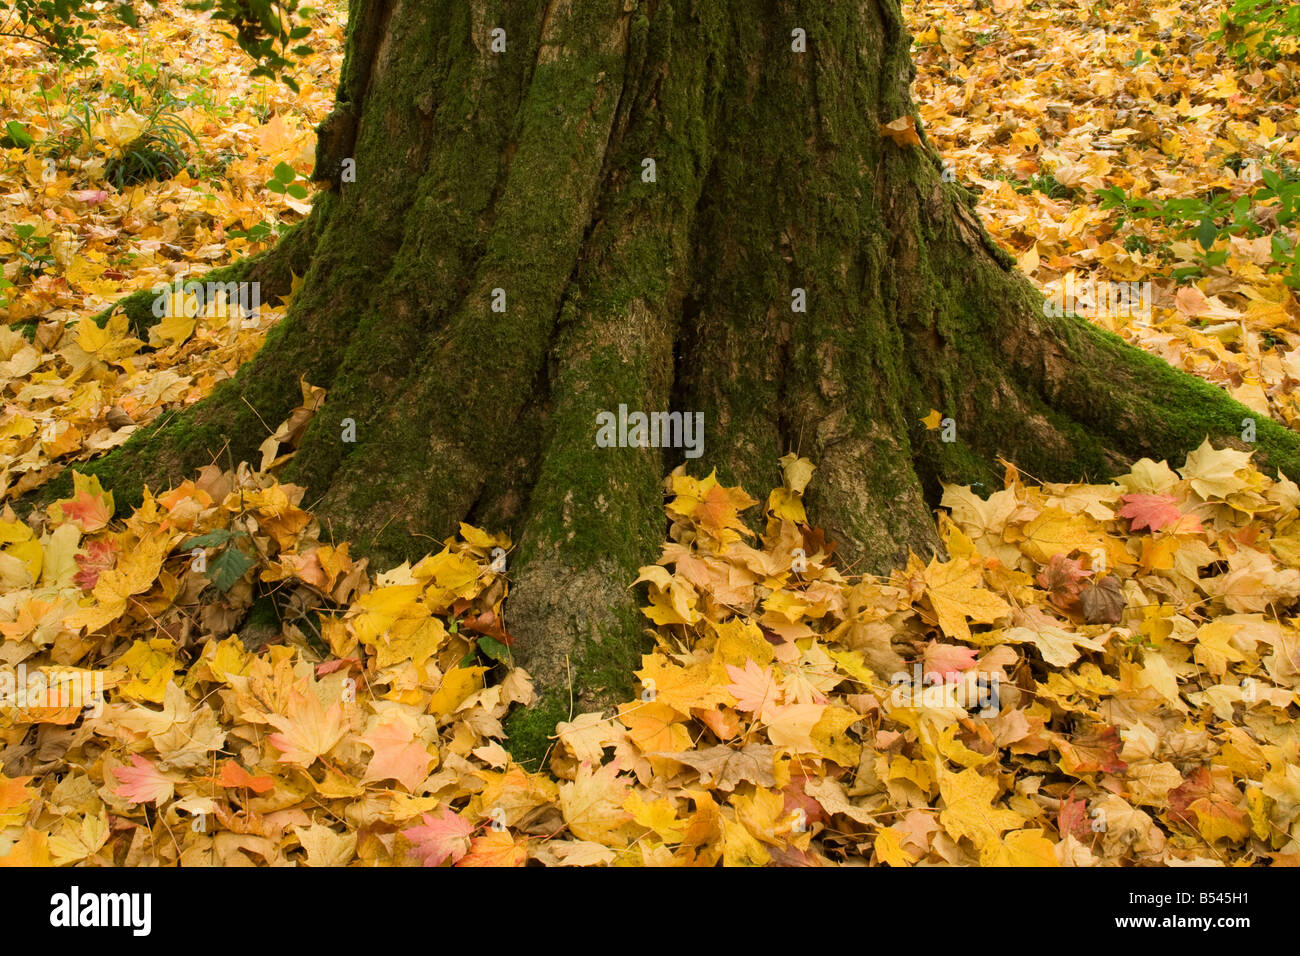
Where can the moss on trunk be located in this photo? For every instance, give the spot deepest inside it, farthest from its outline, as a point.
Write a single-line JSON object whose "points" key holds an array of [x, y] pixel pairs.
{"points": [[518, 177]]}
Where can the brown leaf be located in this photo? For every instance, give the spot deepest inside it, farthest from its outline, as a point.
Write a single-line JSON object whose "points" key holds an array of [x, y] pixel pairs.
{"points": [[1102, 600], [725, 767]]}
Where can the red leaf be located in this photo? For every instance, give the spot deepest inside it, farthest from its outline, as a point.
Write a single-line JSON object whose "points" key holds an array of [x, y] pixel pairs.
{"points": [[1156, 512], [99, 557], [236, 777]]}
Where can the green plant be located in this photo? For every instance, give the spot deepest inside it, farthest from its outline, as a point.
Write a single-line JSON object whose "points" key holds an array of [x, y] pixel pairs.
{"points": [[266, 30], [16, 136], [284, 181], [57, 25], [1269, 210], [33, 250], [1048, 185], [157, 153], [1267, 29], [259, 233], [269, 31]]}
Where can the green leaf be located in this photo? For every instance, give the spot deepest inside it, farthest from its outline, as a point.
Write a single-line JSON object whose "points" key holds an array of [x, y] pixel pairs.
{"points": [[18, 133], [1206, 233], [494, 649], [285, 174], [213, 539], [297, 191], [228, 568]]}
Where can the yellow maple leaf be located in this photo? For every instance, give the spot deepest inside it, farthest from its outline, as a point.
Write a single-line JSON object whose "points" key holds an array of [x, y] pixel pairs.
{"points": [[796, 472], [151, 664], [172, 330], [657, 815], [956, 592], [830, 736], [110, 343], [457, 684], [970, 808], [1020, 848], [654, 726], [889, 848], [136, 571], [308, 729], [1055, 531], [761, 813], [1216, 473], [740, 847], [1214, 650], [515, 793], [702, 684], [593, 805]]}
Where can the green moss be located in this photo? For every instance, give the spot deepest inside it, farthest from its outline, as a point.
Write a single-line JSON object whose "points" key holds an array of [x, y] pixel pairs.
{"points": [[530, 729], [604, 670]]}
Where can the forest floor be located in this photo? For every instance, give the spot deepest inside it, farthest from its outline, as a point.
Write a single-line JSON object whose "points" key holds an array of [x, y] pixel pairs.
{"points": [[1097, 674]]}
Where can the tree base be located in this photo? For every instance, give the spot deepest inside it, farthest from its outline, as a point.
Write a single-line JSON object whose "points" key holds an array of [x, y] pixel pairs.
{"points": [[780, 267]]}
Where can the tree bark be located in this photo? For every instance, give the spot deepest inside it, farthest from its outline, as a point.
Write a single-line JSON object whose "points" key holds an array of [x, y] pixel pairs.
{"points": [[522, 170]]}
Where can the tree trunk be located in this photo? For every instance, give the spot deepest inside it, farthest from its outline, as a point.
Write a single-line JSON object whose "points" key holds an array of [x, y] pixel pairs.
{"points": [[521, 173]]}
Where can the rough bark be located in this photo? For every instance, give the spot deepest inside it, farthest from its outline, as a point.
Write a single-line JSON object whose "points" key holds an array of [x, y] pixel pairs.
{"points": [[521, 170]]}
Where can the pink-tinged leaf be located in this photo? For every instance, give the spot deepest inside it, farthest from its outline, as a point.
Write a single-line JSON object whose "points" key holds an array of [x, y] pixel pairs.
{"points": [[398, 754], [752, 686], [92, 197], [1072, 818], [1157, 512], [440, 838], [329, 667], [143, 783], [1062, 579], [87, 511], [948, 660], [99, 556]]}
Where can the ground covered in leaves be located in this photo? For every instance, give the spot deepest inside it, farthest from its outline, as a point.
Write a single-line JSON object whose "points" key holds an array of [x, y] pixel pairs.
{"points": [[1097, 674]]}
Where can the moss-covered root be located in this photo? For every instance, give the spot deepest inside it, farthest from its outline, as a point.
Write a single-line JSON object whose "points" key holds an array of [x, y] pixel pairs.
{"points": [[1141, 406], [595, 515]]}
